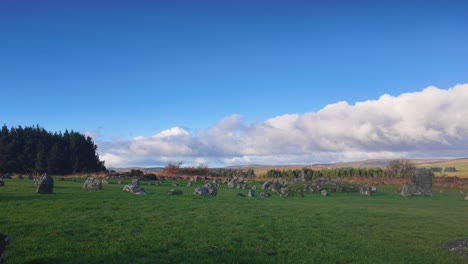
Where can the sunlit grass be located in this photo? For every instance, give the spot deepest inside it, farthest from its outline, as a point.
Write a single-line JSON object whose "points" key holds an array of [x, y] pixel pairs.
{"points": [[73, 225]]}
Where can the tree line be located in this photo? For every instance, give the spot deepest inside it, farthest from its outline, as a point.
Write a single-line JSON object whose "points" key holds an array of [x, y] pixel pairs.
{"points": [[310, 174], [35, 150], [173, 169], [401, 168]]}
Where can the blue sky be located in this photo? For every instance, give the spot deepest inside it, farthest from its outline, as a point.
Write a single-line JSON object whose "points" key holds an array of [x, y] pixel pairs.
{"points": [[127, 70]]}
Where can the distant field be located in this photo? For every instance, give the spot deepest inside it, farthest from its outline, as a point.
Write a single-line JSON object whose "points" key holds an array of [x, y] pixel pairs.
{"points": [[111, 226], [460, 164]]}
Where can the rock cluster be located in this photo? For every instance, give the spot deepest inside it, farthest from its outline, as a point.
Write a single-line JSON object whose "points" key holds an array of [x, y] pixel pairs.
{"points": [[45, 184], [237, 182], [134, 187], [209, 189], [421, 183], [92, 184]]}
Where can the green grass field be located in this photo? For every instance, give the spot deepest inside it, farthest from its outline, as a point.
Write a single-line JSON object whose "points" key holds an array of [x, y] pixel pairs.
{"points": [[111, 226]]}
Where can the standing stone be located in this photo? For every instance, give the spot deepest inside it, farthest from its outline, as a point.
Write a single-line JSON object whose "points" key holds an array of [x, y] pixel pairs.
{"points": [[2, 182], [134, 187], [92, 184], [4, 241], [373, 189], [266, 185], [251, 193], [364, 190], [231, 184], [421, 183], [189, 184], [45, 184], [301, 177], [276, 186], [324, 192], [284, 192], [208, 189], [466, 198]]}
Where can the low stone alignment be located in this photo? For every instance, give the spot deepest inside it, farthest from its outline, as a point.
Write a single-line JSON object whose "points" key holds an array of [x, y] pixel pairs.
{"points": [[459, 247], [209, 189], [134, 187], [421, 183], [4, 241], [92, 184], [45, 184]]}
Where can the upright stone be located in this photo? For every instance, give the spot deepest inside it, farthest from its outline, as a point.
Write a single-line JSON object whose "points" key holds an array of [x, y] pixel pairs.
{"points": [[208, 189], [251, 193], [134, 187], [365, 190], [324, 192], [45, 184], [421, 183], [266, 185], [92, 184], [2, 182]]}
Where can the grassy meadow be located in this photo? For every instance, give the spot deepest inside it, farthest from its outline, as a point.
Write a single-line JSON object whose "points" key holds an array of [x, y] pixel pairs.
{"points": [[73, 225]]}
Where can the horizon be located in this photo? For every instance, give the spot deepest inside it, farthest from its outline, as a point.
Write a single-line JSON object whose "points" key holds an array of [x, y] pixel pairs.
{"points": [[225, 84]]}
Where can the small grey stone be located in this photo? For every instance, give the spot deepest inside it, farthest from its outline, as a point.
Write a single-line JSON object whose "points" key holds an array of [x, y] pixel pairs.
{"points": [[174, 192]]}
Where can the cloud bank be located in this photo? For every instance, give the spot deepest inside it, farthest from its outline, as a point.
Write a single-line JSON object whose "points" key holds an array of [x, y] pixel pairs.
{"points": [[427, 124]]}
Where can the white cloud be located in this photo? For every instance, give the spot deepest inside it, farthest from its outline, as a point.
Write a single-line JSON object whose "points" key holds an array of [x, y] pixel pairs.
{"points": [[429, 123]]}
